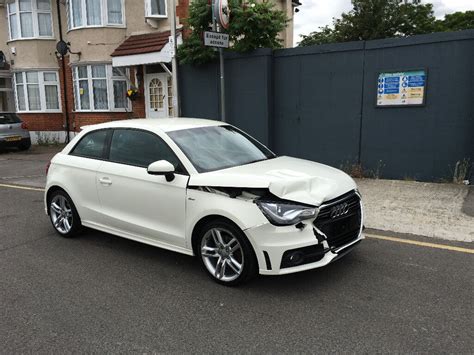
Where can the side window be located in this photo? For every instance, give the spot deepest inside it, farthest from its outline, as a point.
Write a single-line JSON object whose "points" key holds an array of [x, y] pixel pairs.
{"points": [[91, 145], [140, 148]]}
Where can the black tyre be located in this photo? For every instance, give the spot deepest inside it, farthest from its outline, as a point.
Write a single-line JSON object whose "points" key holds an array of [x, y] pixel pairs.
{"points": [[25, 145], [225, 253], [63, 214]]}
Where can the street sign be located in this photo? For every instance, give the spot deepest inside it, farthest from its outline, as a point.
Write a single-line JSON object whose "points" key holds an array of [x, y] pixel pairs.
{"points": [[216, 39], [222, 12]]}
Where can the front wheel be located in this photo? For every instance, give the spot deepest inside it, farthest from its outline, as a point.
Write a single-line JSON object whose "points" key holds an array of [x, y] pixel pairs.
{"points": [[226, 254], [63, 214]]}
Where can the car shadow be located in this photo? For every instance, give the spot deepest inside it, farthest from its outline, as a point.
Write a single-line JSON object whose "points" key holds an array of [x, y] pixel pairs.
{"points": [[332, 275]]}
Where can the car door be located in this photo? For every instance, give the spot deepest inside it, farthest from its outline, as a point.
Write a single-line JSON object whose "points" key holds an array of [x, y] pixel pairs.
{"points": [[79, 170], [135, 202]]}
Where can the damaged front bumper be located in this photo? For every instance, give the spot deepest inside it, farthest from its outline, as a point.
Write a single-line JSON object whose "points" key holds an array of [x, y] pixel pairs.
{"points": [[284, 250]]}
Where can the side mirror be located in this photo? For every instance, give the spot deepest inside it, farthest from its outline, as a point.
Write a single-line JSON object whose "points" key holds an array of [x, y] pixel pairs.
{"points": [[162, 167]]}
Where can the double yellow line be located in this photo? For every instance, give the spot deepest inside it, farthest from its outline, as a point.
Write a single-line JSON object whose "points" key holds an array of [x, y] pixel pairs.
{"points": [[368, 235], [421, 244]]}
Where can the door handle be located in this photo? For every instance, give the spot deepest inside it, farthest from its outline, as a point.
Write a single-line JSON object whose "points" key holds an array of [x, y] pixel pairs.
{"points": [[105, 181]]}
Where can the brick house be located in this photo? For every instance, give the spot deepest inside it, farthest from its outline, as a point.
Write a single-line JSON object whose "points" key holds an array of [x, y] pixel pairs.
{"points": [[114, 45]]}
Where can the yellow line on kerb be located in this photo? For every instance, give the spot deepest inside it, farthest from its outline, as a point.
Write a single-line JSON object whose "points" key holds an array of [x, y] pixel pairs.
{"points": [[22, 187], [421, 244]]}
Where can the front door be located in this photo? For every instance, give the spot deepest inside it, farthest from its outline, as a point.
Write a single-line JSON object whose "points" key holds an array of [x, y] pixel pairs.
{"points": [[156, 95]]}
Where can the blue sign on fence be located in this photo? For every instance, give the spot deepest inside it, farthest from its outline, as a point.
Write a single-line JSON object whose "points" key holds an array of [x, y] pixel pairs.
{"points": [[401, 88]]}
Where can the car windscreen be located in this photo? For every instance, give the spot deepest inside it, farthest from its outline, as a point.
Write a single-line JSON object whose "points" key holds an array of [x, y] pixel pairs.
{"points": [[219, 147], [9, 118]]}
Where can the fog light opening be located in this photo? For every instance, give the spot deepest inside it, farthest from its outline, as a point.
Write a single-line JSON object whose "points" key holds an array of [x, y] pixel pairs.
{"points": [[296, 258]]}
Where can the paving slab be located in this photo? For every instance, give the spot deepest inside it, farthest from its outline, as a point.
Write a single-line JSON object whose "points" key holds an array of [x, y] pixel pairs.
{"points": [[420, 208]]}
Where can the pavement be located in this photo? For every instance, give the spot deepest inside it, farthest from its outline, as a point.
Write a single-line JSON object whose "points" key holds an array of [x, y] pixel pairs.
{"points": [[444, 211]]}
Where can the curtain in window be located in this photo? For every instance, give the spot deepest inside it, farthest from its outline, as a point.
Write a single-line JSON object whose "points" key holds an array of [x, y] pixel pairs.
{"points": [[51, 94], [99, 87], [34, 102], [13, 26], [76, 9], [26, 24], [25, 5], [158, 7], [93, 8], [120, 92], [44, 24], [20, 95], [114, 11], [84, 95], [44, 5]]}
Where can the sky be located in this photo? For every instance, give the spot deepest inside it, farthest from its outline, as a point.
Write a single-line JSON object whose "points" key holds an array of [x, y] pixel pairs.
{"points": [[318, 13]]}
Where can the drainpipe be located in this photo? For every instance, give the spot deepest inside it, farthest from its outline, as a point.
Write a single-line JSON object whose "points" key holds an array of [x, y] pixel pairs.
{"points": [[174, 63], [66, 125]]}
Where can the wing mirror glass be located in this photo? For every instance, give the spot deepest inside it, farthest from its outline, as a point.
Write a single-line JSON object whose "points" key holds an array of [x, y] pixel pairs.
{"points": [[162, 167]]}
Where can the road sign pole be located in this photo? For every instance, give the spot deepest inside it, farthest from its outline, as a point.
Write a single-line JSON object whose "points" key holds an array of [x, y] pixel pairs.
{"points": [[221, 65], [221, 62], [174, 63]]}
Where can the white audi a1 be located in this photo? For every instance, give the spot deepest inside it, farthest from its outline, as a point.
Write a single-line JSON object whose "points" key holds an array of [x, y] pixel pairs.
{"points": [[204, 188]]}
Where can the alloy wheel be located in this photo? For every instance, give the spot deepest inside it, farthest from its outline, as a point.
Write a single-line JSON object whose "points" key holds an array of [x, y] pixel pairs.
{"points": [[222, 254], [61, 214]]}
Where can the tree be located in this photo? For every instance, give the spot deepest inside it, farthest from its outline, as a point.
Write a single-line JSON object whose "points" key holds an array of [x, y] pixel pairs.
{"points": [[457, 21], [374, 19], [252, 25]]}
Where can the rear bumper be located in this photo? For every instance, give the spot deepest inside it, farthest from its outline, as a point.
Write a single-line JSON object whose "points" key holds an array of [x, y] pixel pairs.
{"points": [[5, 143]]}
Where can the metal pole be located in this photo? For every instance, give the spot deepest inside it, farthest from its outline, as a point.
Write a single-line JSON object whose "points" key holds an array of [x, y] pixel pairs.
{"points": [[221, 66], [221, 62], [174, 63]]}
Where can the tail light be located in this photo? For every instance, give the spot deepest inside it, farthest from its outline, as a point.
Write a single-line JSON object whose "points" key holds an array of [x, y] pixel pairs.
{"points": [[24, 125], [47, 167]]}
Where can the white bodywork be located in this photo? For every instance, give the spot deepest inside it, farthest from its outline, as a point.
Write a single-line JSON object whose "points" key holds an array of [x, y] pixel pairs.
{"points": [[127, 201]]}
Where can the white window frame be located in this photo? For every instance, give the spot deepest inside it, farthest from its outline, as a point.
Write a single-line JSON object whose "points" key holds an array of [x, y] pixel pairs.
{"points": [[110, 78], [41, 85], [104, 19], [34, 14], [148, 13]]}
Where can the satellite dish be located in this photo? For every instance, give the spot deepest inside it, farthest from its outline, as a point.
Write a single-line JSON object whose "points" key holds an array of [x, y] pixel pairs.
{"points": [[62, 47]]}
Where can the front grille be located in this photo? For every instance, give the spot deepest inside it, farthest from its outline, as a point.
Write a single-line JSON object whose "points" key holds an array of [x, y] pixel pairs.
{"points": [[340, 219]]}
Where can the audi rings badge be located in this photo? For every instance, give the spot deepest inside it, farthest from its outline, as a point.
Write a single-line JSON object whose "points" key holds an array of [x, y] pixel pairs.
{"points": [[339, 210]]}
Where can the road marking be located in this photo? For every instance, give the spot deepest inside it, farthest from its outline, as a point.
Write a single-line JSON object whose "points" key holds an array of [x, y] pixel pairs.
{"points": [[421, 244], [22, 187]]}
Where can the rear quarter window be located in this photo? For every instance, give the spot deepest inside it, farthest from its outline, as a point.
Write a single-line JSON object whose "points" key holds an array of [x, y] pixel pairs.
{"points": [[92, 145]]}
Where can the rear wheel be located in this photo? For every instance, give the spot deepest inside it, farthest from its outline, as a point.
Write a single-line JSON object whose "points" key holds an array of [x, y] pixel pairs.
{"points": [[63, 214], [226, 254]]}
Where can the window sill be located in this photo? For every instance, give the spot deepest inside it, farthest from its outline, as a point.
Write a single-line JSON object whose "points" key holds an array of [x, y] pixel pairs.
{"points": [[42, 111], [102, 111], [32, 39], [96, 27], [156, 17]]}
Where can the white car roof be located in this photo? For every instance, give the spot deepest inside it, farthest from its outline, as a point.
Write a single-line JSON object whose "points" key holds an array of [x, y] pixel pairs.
{"points": [[162, 124]]}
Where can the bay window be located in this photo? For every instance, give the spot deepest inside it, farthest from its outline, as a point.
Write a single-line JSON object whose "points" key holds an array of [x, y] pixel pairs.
{"points": [[30, 19], [99, 87], [156, 8], [37, 91], [95, 13]]}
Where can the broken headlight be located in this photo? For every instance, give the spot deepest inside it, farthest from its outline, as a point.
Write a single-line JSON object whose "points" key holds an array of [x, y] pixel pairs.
{"points": [[284, 213]]}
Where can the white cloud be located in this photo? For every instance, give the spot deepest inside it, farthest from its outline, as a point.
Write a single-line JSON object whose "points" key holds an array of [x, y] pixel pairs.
{"points": [[318, 13]]}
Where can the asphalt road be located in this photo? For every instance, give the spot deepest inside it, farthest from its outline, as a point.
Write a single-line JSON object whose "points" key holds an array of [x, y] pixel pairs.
{"points": [[100, 293]]}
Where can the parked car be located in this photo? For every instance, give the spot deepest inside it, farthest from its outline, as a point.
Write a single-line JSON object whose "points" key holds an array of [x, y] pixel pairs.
{"points": [[13, 132], [204, 188]]}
